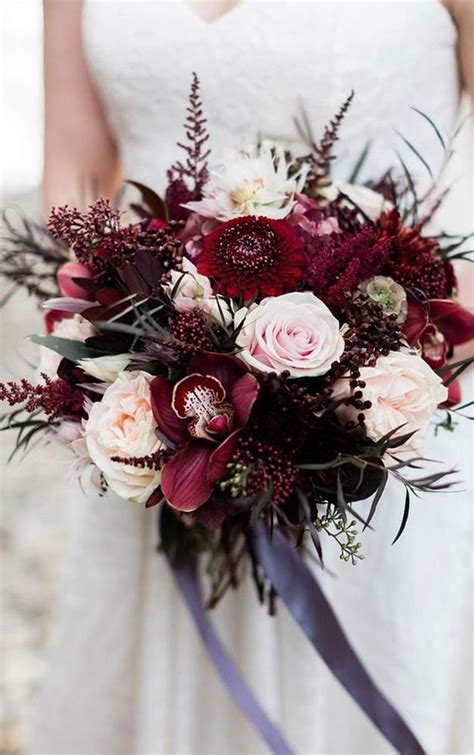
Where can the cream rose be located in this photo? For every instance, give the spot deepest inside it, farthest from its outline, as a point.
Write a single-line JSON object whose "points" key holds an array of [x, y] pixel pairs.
{"points": [[403, 390], [294, 332], [122, 424]]}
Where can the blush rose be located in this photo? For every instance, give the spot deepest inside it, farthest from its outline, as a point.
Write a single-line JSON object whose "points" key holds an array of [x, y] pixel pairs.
{"points": [[294, 332], [404, 393], [122, 424]]}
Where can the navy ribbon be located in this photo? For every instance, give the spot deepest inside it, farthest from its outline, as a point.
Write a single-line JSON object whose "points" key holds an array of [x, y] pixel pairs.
{"points": [[188, 582], [302, 595], [305, 600]]}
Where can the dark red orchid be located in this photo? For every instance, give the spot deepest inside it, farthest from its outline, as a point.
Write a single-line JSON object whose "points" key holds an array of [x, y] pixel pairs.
{"points": [[202, 416], [445, 316], [436, 325]]}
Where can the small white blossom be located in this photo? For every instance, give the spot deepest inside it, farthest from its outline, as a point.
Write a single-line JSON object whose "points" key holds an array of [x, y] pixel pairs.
{"points": [[251, 181]]}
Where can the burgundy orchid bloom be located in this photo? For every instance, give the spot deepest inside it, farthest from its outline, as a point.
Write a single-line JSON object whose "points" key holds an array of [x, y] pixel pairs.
{"points": [[434, 326], [447, 317], [433, 346], [202, 415]]}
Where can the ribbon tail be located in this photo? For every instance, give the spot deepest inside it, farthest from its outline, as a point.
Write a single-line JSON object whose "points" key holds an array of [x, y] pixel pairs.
{"points": [[188, 582], [305, 600]]}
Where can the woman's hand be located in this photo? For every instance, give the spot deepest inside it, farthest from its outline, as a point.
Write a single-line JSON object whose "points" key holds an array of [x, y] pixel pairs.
{"points": [[80, 156]]}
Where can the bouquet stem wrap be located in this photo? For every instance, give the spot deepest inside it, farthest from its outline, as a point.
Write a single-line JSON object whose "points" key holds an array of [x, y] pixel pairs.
{"points": [[303, 597]]}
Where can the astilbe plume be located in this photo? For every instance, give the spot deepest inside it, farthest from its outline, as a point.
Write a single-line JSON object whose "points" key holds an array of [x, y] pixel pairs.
{"points": [[337, 263], [56, 398], [186, 179], [152, 461], [322, 153]]}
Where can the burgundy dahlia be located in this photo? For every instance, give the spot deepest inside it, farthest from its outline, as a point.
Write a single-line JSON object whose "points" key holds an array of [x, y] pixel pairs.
{"points": [[424, 272], [251, 255], [414, 259]]}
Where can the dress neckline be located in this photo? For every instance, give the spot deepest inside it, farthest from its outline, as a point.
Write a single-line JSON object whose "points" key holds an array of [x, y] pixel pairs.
{"points": [[230, 12]]}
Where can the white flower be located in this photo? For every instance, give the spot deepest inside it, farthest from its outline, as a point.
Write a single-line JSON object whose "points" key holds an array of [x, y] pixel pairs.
{"points": [[404, 393], [250, 182], [105, 368], [294, 332], [122, 424], [370, 202], [75, 328], [219, 309], [191, 290], [190, 287], [71, 434]]}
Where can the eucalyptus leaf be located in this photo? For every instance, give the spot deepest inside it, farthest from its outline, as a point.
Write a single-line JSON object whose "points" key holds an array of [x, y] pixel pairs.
{"points": [[67, 347]]}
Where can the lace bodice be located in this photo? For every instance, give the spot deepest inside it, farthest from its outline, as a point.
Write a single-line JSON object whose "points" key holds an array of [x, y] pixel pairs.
{"points": [[263, 60]]}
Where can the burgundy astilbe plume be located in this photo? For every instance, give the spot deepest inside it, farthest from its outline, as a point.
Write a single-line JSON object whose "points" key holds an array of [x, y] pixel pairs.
{"points": [[338, 263], [186, 179], [56, 398], [322, 152]]}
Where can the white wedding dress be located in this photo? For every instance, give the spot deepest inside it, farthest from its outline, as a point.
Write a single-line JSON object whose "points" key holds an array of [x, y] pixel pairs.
{"points": [[127, 672]]}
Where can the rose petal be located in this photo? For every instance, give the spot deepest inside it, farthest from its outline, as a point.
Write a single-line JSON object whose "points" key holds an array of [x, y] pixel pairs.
{"points": [[184, 479]]}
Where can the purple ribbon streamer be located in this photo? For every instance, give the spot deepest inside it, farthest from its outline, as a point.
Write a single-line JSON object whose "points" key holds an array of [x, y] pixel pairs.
{"points": [[305, 600], [188, 582]]}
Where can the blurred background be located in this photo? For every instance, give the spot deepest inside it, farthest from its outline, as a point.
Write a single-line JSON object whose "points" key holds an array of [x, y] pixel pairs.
{"points": [[36, 499], [34, 519]]}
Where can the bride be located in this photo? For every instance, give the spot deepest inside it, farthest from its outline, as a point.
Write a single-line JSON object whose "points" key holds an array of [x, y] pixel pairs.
{"points": [[127, 671]]}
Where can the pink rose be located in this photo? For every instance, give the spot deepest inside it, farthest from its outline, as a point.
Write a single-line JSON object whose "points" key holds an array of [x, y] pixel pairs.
{"points": [[122, 424], [403, 390], [294, 332]]}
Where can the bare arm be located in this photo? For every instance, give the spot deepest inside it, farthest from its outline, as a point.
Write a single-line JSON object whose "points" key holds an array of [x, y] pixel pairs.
{"points": [[80, 157], [462, 12]]}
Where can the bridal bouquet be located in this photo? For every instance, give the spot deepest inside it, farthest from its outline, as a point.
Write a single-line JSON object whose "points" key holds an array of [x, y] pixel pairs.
{"points": [[257, 352]]}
